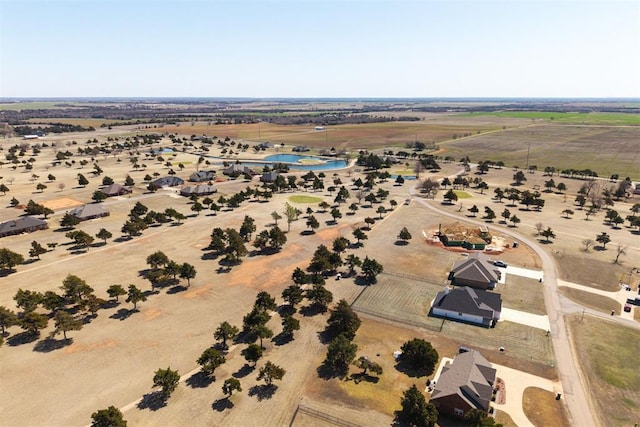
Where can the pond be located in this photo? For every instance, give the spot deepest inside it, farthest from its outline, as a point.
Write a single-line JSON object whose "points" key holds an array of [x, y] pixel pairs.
{"points": [[296, 161]]}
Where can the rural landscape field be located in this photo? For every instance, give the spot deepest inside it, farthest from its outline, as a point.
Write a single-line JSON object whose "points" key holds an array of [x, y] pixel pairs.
{"points": [[272, 262]]}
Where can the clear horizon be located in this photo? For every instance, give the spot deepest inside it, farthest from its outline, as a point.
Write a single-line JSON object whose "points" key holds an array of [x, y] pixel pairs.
{"points": [[359, 49]]}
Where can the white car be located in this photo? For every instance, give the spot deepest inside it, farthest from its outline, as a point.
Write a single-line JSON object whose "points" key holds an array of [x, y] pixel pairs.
{"points": [[500, 264]]}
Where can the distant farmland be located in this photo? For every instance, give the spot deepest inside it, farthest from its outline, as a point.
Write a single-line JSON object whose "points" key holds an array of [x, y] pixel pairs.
{"points": [[599, 118], [606, 150]]}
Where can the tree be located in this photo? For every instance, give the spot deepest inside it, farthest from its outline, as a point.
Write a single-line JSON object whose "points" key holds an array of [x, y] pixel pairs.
{"points": [[415, 410], [451, 196], [8, 318], [505, 214], [293, 295], [404, 235], [197, 208], [561, 187], [82, 181], [548, 234], [482, 186], [291, 214], [65, 322], [36, 250], [312, 223], [129, 182], [230, 385], [299, 277], [270, 372], [340, 353], [336, 214], [135, 295], [265, 302], [69, 221], [381, 210], [262, 332], [519, 178], [620, 250], [479, 418], [75, 289], [225, 332], [603, 238], [235, 248], [539, 227], [567, 213], [33, 322], [114, 291], [365, 364], [252, 353], [320, 297], [352, 261], [167, 380], [343, 321], [371, 268], [110, 417], [27, 300], [489, 214], [104, 235], [41, 187], [359, 235], [514, 220], [210, 360], [419, 356], [474, 210], [157, 259], [9, 259], [188, 272], [98, 196], [4, 189], [289, 325]]}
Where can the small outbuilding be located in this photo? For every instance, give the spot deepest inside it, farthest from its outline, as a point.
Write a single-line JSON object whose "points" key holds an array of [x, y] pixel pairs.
{"points": [[25, 224]]}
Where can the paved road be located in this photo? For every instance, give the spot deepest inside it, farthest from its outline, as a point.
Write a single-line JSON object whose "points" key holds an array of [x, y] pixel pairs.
{"points": [[577, 400]]}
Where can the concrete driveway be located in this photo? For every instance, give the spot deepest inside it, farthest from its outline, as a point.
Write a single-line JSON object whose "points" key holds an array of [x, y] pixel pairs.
{"points": [[524, 318]]}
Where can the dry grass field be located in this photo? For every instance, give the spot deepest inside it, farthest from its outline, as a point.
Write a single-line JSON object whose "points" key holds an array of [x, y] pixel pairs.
{"points": [[590, 300], [606, 352], [112, 359], [542, 409], [606, 150]]}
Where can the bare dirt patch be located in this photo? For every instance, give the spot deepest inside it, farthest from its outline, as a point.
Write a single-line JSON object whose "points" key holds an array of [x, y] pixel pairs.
{"points": [[61, 203]]}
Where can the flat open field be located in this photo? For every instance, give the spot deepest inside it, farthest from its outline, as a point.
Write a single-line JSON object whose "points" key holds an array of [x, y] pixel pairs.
{"points": [[541, 407], [349, 137], [599, 118], [606, 150], [606, 352]]}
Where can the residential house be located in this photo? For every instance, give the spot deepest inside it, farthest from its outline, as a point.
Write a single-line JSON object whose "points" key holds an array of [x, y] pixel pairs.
{"points": [[167, 181], [25, 224], [269, 176], [238, 169], [475, 271], [469, 305], [198, 190], [465, 384], [637, 189], [202, 176], [301, 149], [90, 211], [115, 190]]}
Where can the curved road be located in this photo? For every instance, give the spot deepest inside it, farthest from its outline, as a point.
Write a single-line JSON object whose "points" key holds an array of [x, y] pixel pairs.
{"points": [[573, 387]]}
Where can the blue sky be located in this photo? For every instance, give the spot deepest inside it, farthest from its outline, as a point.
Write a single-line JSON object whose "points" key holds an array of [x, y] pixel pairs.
{"points": [[303, 48]]}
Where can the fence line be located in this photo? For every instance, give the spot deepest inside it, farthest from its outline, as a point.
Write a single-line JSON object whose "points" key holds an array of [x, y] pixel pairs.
{"points": [[324, 416]]}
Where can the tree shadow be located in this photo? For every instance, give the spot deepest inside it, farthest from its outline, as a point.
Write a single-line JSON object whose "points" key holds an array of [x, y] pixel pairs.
{"points": [[312, 310], [401, 243], [359, 377], [209, 255], [176, 289], [282, 339], [244, 371], [153, 401], [22, 338], [222, 404], [286, 310], [412, 371], [263, 391], [363, 281], [122, 314], [307, 232], [327, 372], [50, 344], [200, 380]]}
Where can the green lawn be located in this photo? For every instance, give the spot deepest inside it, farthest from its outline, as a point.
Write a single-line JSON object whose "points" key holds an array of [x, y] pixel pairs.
{"points": [[568, 117], [305, 199], [462, 194]]}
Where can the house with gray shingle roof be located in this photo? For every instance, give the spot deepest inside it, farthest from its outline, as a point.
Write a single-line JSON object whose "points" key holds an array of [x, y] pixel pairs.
{"points": [[475, 271], [198, 190], [201, 176], [465, 384], [468, 305], [90, 211], [115, 190], [25, 224], [168, 181]]}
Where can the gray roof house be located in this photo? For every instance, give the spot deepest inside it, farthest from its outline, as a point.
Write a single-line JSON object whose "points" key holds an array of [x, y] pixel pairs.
{"points": [[237, 169], [201, 176], [25, 224], [465, 384], [475, 271], [90, 211], [115, 190], [269, 176], [168, 181], [198, 190], [468, 305], [300, 149]]}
